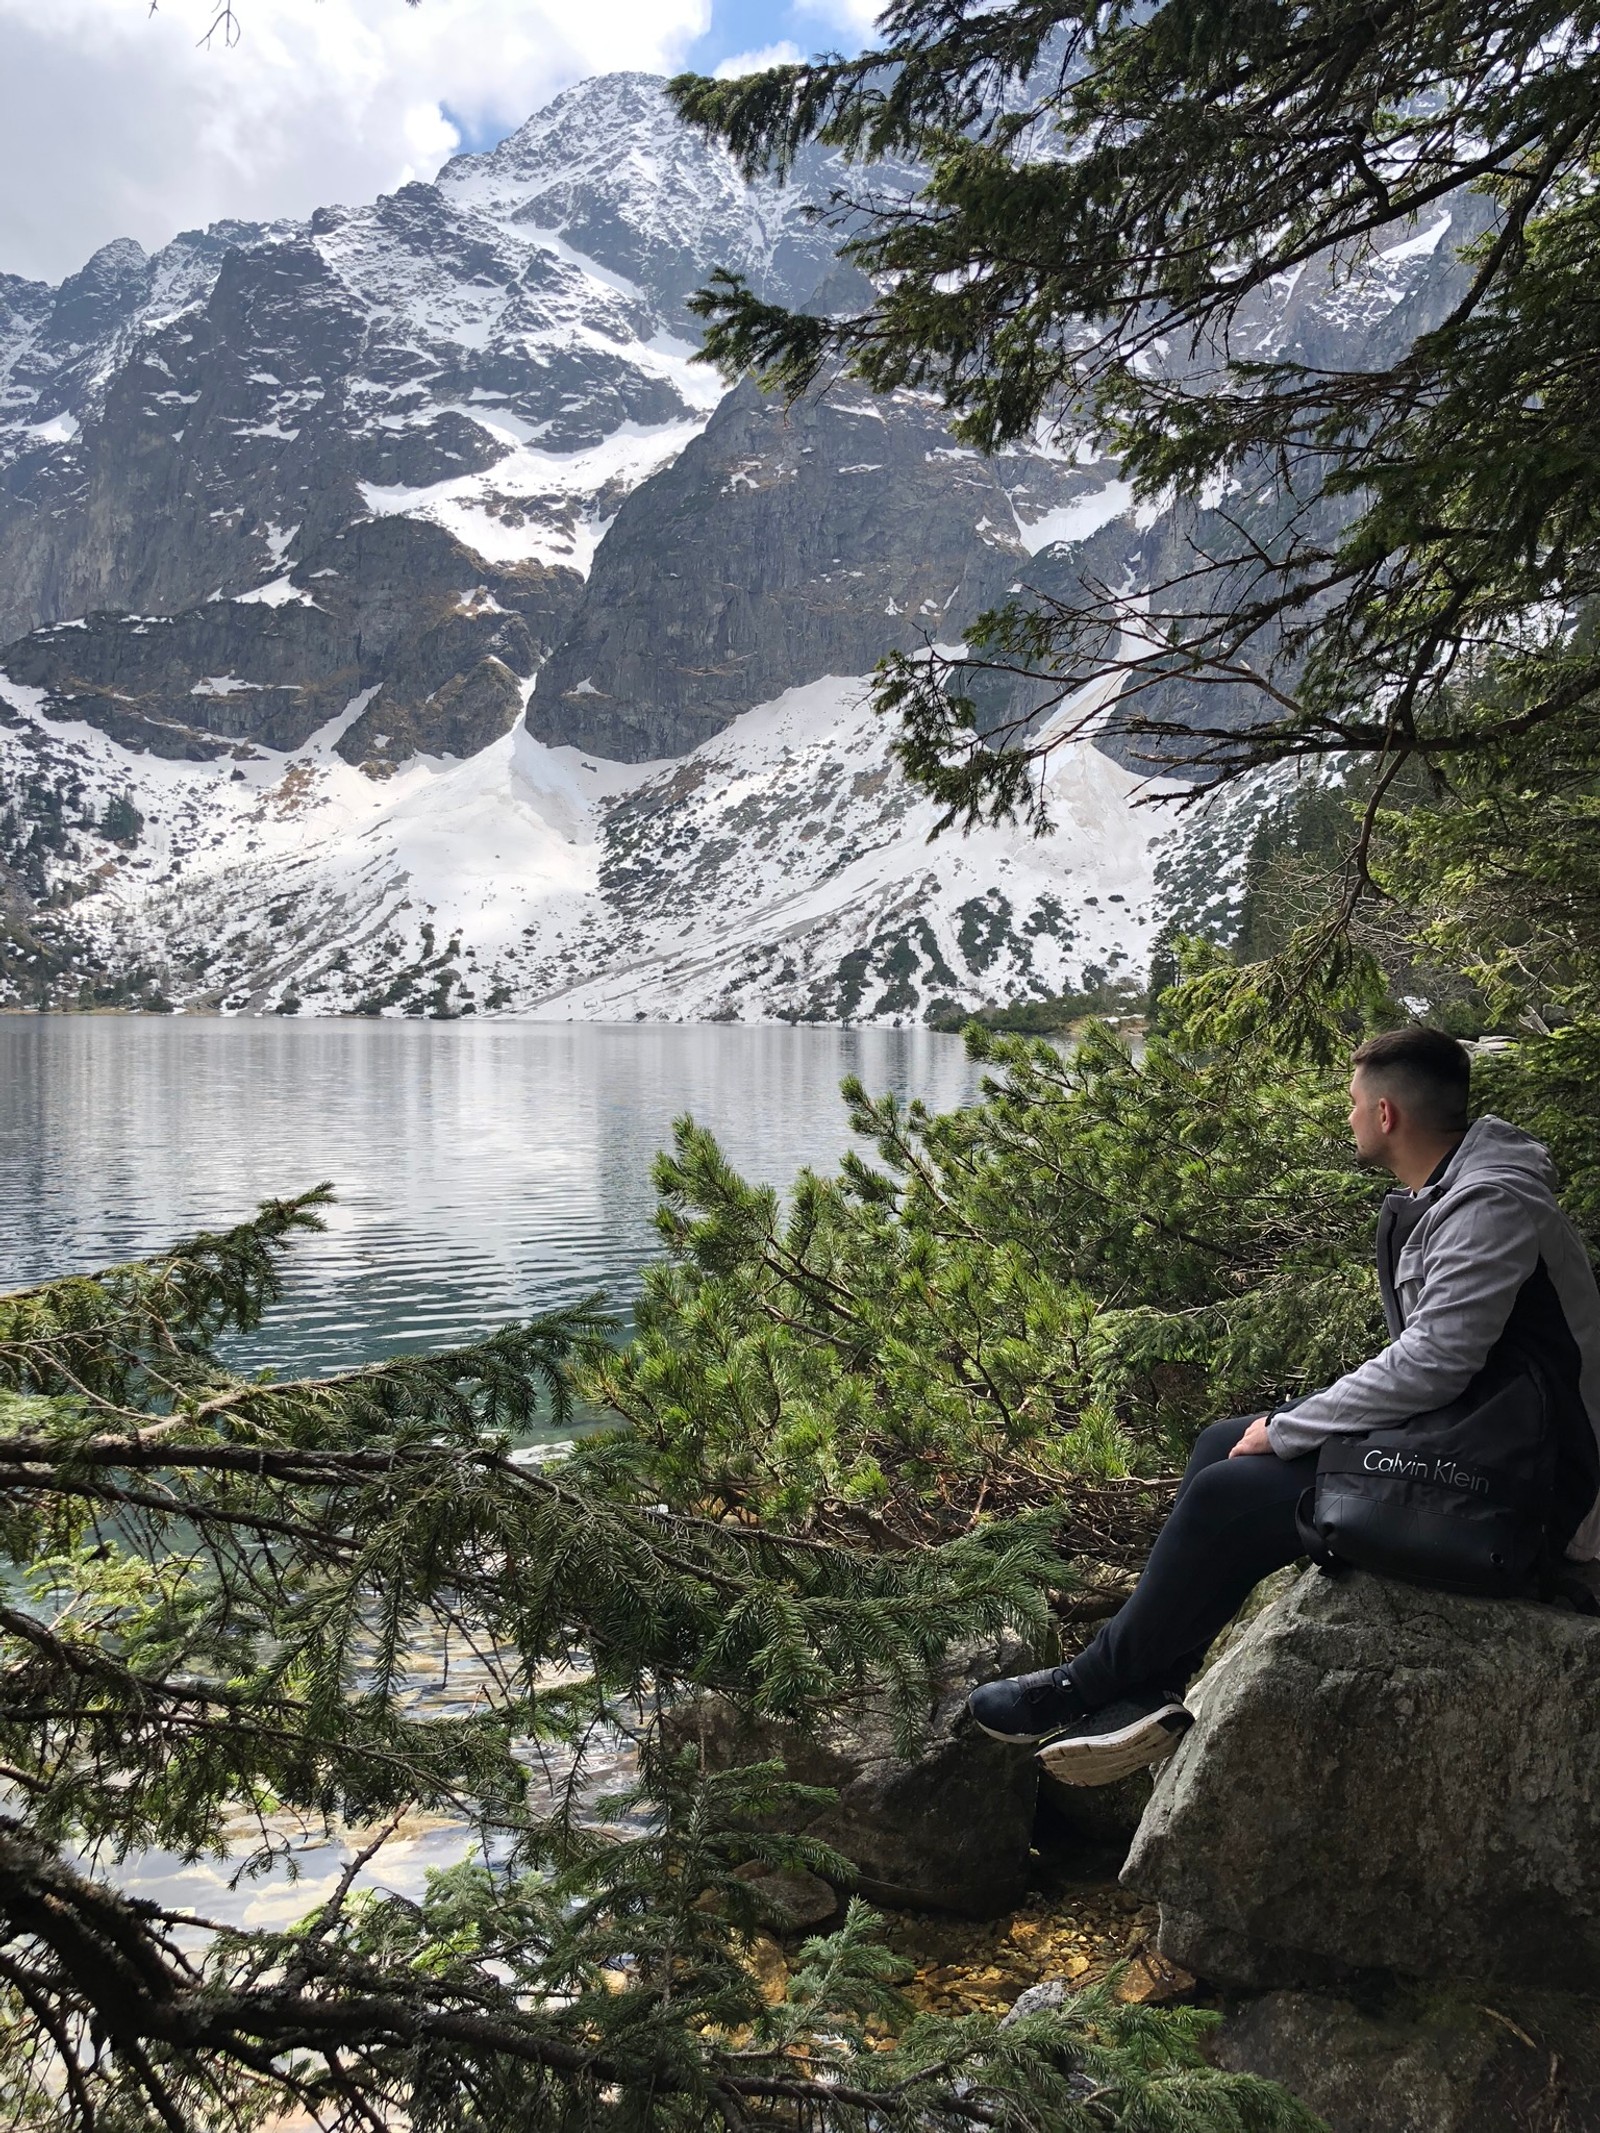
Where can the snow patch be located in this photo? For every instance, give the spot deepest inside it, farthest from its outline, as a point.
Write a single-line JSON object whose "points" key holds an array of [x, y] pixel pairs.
{"points": [[530, 505], [223, 685], [282, 592], [781, 869], [60, 429], [327, 737], [1420, 246], [1075, 521]]}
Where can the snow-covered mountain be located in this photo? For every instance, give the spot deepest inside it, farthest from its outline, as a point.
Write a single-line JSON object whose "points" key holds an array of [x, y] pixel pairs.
{"points": [[397, 579], [503, 351], [780, 870]]}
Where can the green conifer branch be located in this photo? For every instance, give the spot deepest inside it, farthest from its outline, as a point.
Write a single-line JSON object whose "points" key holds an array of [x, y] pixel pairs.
{"points": [[234, 1589], [1106, 200]]}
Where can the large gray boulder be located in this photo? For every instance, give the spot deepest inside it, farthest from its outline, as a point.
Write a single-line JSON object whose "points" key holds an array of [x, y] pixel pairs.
{"points": [[1426, 2061], [1386, 1780], [947, 1827]]}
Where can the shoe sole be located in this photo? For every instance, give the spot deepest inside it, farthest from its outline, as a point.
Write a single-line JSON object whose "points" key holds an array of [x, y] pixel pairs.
{"points": [[1102, 1758], [1016, 1740]]}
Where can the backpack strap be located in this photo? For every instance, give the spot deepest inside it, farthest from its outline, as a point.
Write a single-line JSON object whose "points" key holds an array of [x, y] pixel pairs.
{"points": [[1556, 1581], [1310, 1539]]}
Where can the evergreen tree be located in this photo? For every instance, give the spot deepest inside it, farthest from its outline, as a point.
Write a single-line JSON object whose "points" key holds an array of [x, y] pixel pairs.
{"points": [[224, 1592], [1107, 196], [122, 821], [1021, 1304]]}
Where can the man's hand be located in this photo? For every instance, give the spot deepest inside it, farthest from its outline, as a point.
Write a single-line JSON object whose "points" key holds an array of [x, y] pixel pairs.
{"points": [[1255, 1439]]}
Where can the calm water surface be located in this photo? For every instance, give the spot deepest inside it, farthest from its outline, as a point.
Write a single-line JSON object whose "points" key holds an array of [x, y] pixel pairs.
{"points": [[483, 1171]]}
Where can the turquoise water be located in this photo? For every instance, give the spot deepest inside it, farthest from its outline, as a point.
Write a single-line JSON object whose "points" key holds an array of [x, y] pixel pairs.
{"points": [[483, 1171]]}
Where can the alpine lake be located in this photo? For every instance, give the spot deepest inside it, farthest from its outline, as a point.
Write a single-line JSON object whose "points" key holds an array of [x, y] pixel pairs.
{"points": [[484, 1172]]}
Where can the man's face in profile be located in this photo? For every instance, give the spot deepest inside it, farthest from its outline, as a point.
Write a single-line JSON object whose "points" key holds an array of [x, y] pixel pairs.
{"points": [[1365, 1126]]}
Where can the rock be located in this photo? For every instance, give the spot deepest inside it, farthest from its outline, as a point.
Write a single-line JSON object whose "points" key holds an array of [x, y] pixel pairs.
{"points": [[948, 1828], [1386, 1780], [1043, 1998], [768, 1965], [465, 714], [789, 1899], [1152, 1980], [1426, 2065], [1097, 1816]]}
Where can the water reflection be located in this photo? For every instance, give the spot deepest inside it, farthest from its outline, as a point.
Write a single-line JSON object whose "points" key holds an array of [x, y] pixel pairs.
{"points": [[274, 1868], [484, 1171]]}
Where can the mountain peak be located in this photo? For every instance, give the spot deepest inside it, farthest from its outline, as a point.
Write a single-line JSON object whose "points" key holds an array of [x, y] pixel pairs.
{"points": [[635, 95], [610, 169], [427, 497]]}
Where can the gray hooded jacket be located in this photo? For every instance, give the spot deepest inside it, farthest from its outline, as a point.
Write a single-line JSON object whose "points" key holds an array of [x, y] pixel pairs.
{"points": [[1451, 1259]]}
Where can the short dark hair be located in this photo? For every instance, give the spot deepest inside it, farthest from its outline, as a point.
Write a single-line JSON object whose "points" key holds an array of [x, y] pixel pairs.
{"points": [[1428, 1071]]}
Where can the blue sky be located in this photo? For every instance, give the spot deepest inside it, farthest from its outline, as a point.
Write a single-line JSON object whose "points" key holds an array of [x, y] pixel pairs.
{"points": [[739, 30], [742, 26], [116, 123]]}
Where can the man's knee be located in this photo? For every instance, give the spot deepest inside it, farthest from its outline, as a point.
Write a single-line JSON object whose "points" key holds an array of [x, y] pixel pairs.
{"points": [[1229, 1489], [1216, 1441]]}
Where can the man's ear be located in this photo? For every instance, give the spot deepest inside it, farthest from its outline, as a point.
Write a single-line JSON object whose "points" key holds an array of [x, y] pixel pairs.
{"points": [[1388, 1116]]}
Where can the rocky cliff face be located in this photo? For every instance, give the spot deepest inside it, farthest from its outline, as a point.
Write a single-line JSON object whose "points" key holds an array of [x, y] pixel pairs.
{"points": [[783, 544], [175, 425], [297, 520], [389, 629]]}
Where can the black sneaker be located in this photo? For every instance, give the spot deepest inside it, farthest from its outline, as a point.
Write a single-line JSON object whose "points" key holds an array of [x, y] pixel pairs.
{"points": [[1115, 1741], [1028, 1707]]}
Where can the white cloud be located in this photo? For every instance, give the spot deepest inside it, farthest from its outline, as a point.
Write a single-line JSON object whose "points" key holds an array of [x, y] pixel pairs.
{"points": [[116, 123], [850, 21], [786, 53]]}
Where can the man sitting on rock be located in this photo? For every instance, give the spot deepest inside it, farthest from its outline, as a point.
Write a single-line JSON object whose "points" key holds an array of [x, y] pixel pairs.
{"points": [[1473, 1251]]}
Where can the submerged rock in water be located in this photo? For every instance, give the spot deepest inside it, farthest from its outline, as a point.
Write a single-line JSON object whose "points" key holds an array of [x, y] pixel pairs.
{"points": [[947, 1827], [1386, 1780]]}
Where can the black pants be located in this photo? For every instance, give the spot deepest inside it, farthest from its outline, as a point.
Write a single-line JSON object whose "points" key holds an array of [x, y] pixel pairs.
{"points": [[1232, 1523]]}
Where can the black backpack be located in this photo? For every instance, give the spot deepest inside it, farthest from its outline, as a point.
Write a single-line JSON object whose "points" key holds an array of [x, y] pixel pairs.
{"points": [[1459, 1498], [1480, 1496]]}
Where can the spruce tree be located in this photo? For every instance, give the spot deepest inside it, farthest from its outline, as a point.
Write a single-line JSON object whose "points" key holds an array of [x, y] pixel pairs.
{"points": [[1108, 198], [226, 1593]]}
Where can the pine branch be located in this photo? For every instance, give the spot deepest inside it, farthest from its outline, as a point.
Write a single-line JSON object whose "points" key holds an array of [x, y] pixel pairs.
{"points": [[1106, 209], [147, 1326], [234, 1590], [93, 1956]]}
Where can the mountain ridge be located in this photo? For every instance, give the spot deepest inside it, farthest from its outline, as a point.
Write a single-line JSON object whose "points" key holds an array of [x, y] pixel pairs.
{"points": [[319, 515]]}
